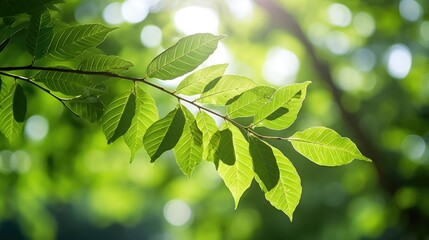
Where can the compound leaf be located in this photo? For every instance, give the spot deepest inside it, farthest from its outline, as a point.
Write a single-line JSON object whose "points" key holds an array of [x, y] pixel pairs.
{"points": [[197, 81], [104, 63], [325, 147], [146, 114], [39, 33], [186, 55], [189, 148], [70, 42], [228, 87], [164, 134], [282, 108], [118, 116]]}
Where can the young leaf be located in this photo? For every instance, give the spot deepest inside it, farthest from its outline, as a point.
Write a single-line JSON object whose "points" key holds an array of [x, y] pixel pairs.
{"points": [[39, 33], [13, 110], [264, 164], [189, 148], [146, 114], [87, 107], [73, 84], [104, 63], [186, 55], [325, 147], [208, 127], [12, 7], [228, 87], [72, 41], [286, 194], [249, 103], [118, 116], [237, 177], [283, 107], [197, 81], [164, 134]]}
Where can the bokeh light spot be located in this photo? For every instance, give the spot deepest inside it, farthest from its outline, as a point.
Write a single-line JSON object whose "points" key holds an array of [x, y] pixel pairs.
{"points": [[424, 30], [413, 146], [242, 9], [151, 36], [280, 67], [339, 15], [349, 79], [192, 19], [399, 61], [36, 128], [134, 11], [363, 59], [20, 161], [177, 212], [337, 43], [364, 24], [86, 12], [410, 10], [112, 13]]}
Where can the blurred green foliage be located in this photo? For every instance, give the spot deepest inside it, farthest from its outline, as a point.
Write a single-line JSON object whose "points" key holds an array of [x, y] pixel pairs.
{"points": [[62, 181]]}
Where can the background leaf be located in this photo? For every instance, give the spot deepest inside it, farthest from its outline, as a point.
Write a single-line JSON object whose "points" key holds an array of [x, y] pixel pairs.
{"points": [[237, 177], [186, 55], [197, 81], [73, 84], [208, 127], [118, 116], [72, 41], [286, 194], [283, 107], [8, 31], [12, 7], [249, 103], [146, 114], [89, 108], [325, 147], [189, 148], [228, 87], [164, 134], [12, 112], [39, 33], [104, 63]]}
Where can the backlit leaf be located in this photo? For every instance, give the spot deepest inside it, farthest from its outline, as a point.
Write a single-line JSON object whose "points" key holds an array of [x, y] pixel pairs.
{"points": [[325, 147], [104, 63], [228, 87], [164, 134], [208, 127], [197, 81], [189, 148], [70, 42], [186, 55], [146, 114], [283, 107], [238, 176], [286, 194], [250, 102], [118, 116], [39, 33], [13, 110], [69, 83], [87, 107]]}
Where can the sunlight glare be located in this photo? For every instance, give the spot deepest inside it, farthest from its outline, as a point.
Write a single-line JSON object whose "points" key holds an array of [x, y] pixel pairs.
{"points": [[242, 10], [399, 61], [280, 67], [134, 11], [193, 19]]}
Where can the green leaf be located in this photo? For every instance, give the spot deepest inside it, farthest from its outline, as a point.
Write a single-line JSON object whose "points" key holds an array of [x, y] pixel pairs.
{"points": [[197, 81], [264, 164], [89, 108], [72, 41], [208, 127], [189, 148], [4, 45], [13, 110], [186, 55], [104, 63], [249, 103], [325, 147], [228, 87], [39, 33], [146, 114], [3, 90], [286, 194], [283, 107], [118, 116], [69, 83], [237, 177], [6, 32], [164, 134], [12, 7]]}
